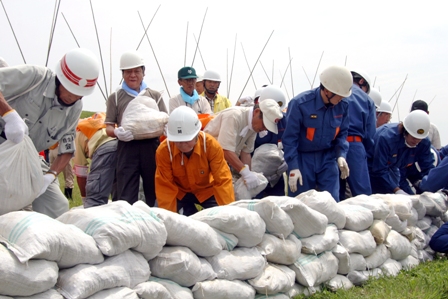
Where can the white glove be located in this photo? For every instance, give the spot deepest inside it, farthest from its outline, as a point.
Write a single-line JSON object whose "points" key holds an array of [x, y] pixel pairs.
{"points": [[280, 145], [294, 176], [345, 172], [246, 100], [123, 135], [48, 179], [250, 178], [263, 133], [15, 127], [399, 191]]}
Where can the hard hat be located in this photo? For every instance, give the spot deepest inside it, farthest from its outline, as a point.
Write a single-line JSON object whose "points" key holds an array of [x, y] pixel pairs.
{"points": [[338, 80], [365, 76], [417, 124], [212, 76], [130, 60], [258, 92], [275, 93], [183, 124], [3, 62], [200, 78], [375, 95], [78, 71], [385, 107]]}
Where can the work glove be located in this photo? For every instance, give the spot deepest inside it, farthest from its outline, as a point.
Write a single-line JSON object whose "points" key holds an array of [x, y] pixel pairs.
{"points": [[249, 177], [399, 191], [246, 100], [15, 127], [123, 135], [280, 145], [263, 133], [294, 176], [343, 167], [48, 179]]}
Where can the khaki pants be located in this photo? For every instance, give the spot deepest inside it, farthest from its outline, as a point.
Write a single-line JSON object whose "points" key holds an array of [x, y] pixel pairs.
{"points": [[68, 173]]}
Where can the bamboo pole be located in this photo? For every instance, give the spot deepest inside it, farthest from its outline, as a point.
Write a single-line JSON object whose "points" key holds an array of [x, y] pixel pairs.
{"points": [[199, 39], [12, 29], [315, 74], [264, 70], [231, 70], [147, 27], [248, 66], [311, 85], [290, 70], [200, 53], [53, 26], [185, 53]]}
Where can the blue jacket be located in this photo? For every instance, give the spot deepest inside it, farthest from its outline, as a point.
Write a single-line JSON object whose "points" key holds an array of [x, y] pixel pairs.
{"points": [[439, 241], [314, 127], [412, 174], [436, 179], [390, 155]]}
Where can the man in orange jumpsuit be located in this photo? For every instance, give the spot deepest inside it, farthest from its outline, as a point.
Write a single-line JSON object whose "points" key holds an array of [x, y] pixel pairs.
{"points": [[191, 169]]}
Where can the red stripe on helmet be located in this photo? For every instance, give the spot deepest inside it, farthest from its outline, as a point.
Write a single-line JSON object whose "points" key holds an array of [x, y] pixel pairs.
{"points": [[74, 78]]}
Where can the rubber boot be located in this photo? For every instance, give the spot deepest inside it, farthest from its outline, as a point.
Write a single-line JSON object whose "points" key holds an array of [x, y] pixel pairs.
{"points": [[68, 193]]}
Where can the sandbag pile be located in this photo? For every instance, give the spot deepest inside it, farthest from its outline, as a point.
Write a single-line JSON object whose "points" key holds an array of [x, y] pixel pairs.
{"points": [[276, 247]]}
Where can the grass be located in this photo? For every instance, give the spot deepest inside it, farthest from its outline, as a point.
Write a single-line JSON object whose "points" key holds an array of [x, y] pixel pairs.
{"points": [[427, 280]]}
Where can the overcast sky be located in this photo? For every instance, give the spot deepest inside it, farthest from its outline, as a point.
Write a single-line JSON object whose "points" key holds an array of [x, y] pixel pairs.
{"points": [[395, 42]]}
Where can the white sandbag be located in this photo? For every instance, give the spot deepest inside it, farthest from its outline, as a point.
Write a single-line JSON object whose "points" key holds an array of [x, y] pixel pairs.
{"points": [[312, 270], [395, 223], [185, 231], [358, 278], [412, 221], [32, 235], [276, 296], [143, 118], [338, 282], [115, 293], [378, 257], [391, 267], [431, 231], [306, 221], [418, 206], [343, 258], [398, 245], [19, 279], [358, 218], [323, 202], [278, 251], [266, 159], [424, 223], [409, 262], [355, 262], [435, 203], [176, 291], [152, 290], [379, 230], [119, 226], [402, 204], [223, 289], [420, 241], [379, 209], [241, 263], [414, 250], [274, 279], [320, 243], [277, 221], [246, 225], [20, 175], [241, 190], [445, 217], [437, 221], [180, 265], [50, 294], [357, 242], [227, 241], [298, 290], [424, 256], [123, 270]]}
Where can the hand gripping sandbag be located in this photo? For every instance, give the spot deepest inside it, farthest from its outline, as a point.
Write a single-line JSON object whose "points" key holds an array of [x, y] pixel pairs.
{"points": [[20, 175], [143, 118]]}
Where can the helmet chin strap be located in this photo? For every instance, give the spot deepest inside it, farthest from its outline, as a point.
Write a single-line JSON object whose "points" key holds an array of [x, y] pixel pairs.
{"points": [[407, 144], [330, 104]]}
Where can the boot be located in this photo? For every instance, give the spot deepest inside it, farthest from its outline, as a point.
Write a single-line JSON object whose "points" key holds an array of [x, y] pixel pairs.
{"points": [[68, 193]]}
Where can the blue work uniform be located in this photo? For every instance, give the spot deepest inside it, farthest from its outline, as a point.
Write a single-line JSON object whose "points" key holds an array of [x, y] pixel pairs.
{"points": [[439, 241], [443, 152], [436, 179], [279, 188], [362, 127], [316, 135], [390, 155]]}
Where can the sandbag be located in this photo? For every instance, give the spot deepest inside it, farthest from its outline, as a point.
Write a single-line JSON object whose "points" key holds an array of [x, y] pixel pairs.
{"points": [[348, 262], [391, 267], [180, 265], [402, 204], [246, 225], [379, 230], [123, 270], [152, 290], [223, 289], [435, 203], [424, 223], [19, 279], [277, 221], [298, 289], [319, 243], [357, 242], [306, 221], [358, 218], [274, 279], [396, 223], [412, 221], [118, 226], [409, 262], [338, 282], [21, 175], [278, 251], [323, 202], [379, 209], [358, 278], [143, 118], [241, 190], [50, 294], [312, 270], [227, 241], [418, 206], [115, 293], [378, 257], [266, 159], [185, 231], [176, 291], [32, 235], [398, 245]]}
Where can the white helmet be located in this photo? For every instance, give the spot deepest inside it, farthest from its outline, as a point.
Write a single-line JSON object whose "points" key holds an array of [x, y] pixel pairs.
{"points": [[258, 92], [78, 71], [275, 93], [375, 95], [212, 76], [3, 62], [385, 107], [200, 78], [365, 76], [338, 80], [130, 60], [417, 124], [183, 124]]}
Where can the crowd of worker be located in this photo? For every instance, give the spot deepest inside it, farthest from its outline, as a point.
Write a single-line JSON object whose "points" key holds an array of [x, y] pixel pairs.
{"points": [[337, 137]]}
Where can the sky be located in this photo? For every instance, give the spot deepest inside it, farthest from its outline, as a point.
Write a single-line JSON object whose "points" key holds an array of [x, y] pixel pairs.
{"points": [[402, 45]]}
